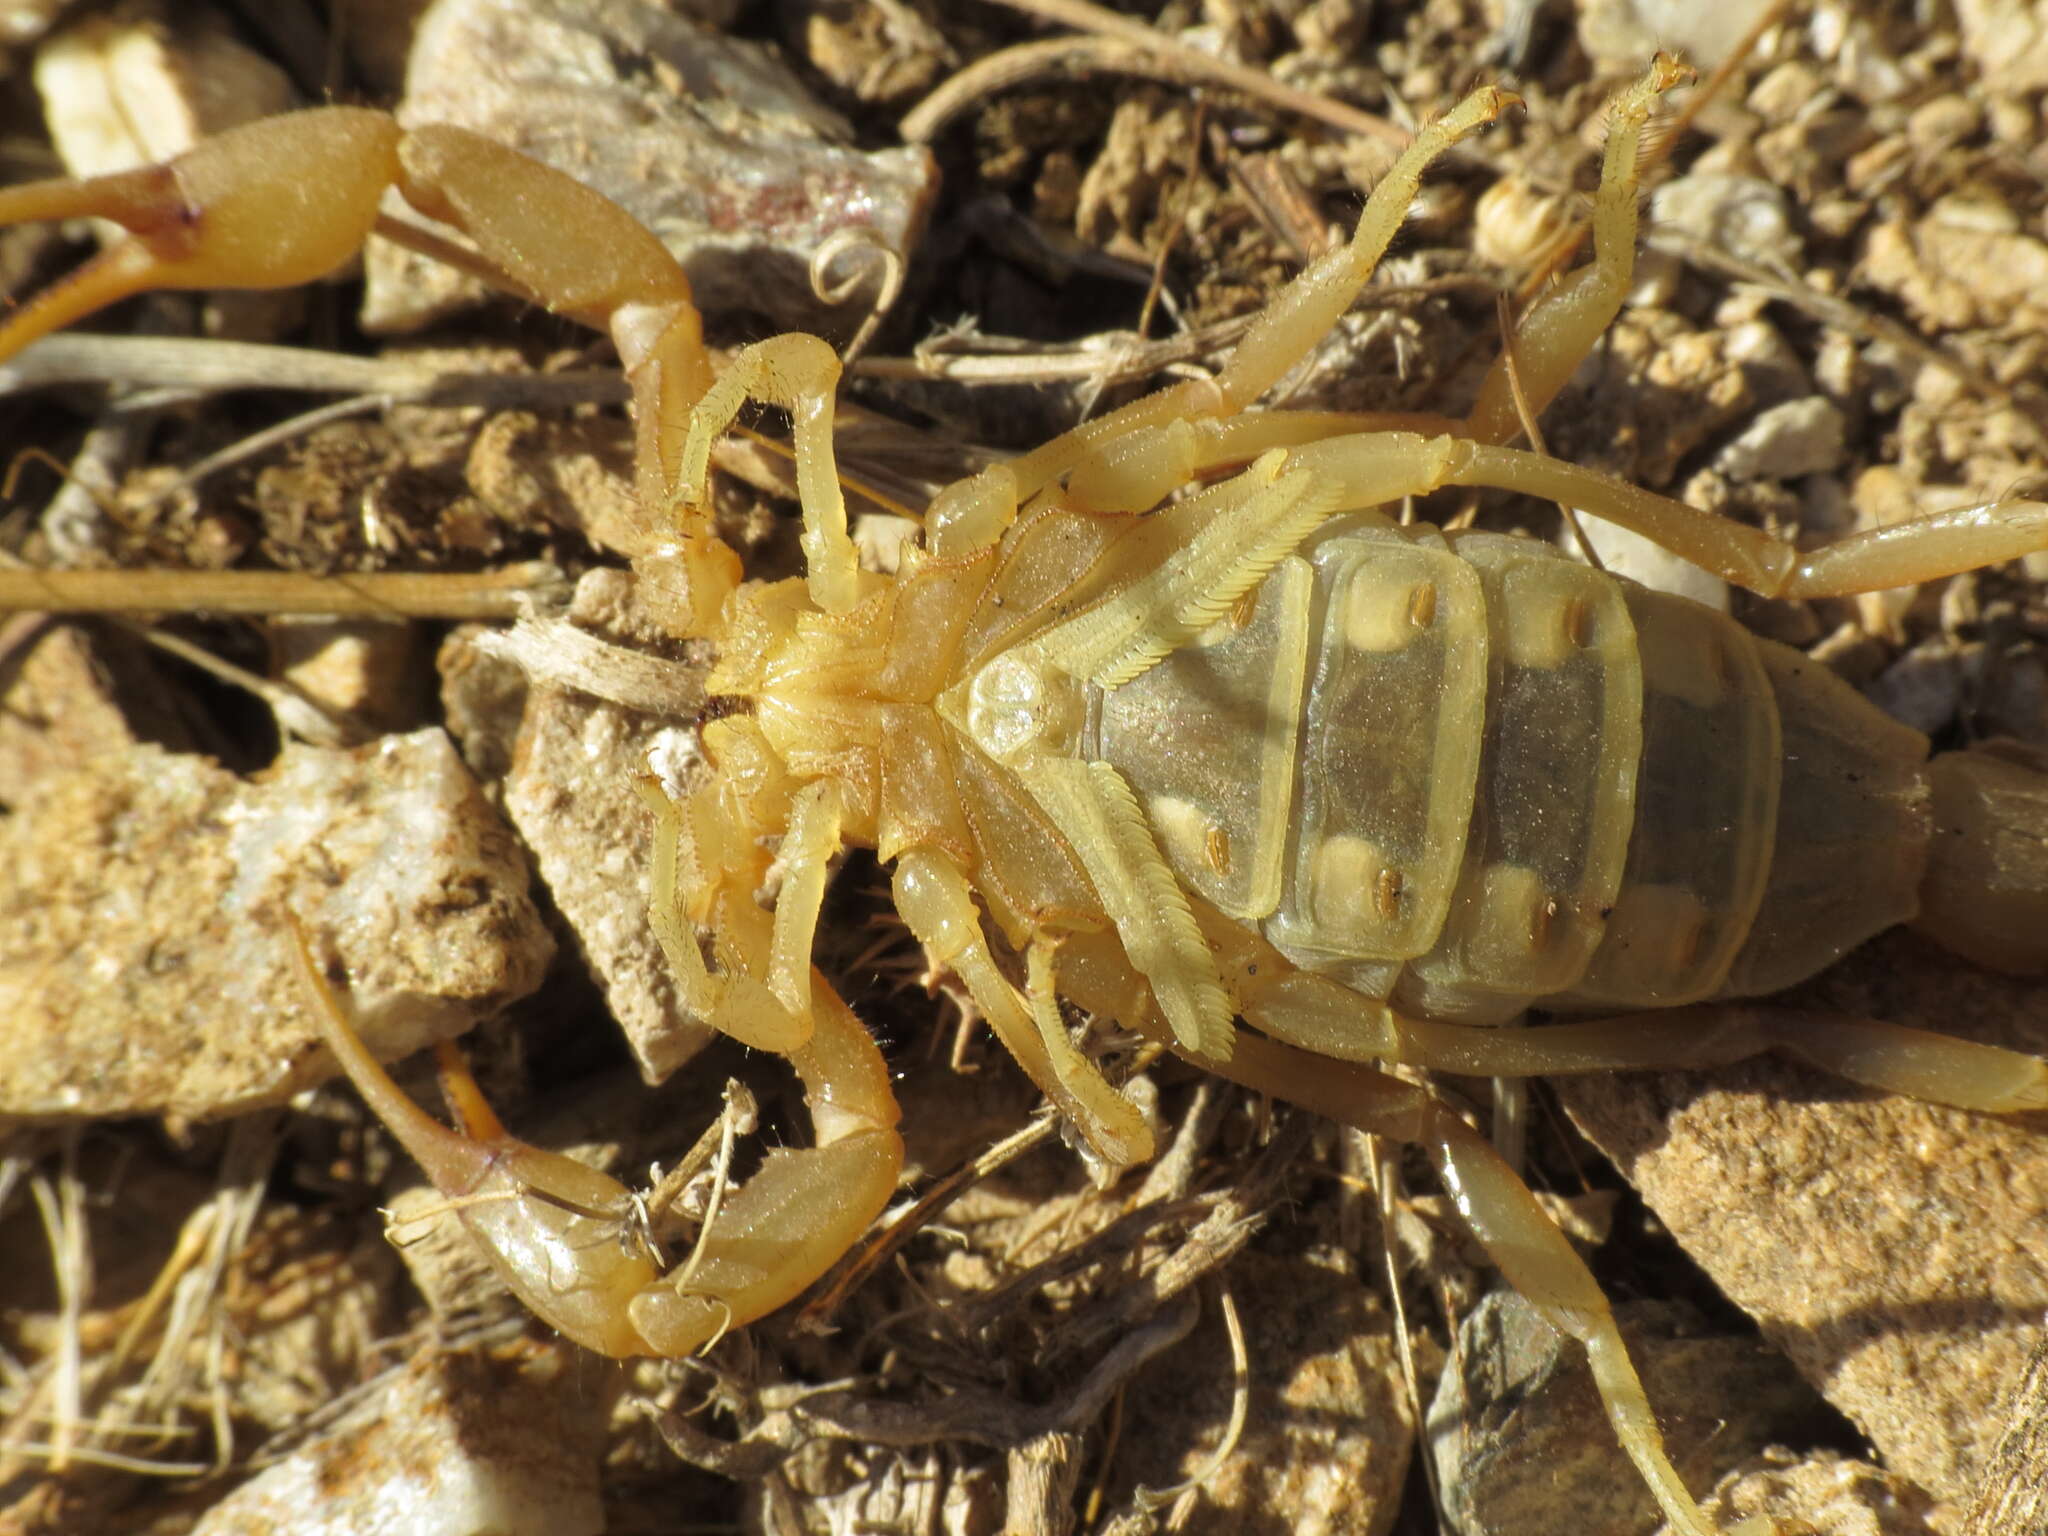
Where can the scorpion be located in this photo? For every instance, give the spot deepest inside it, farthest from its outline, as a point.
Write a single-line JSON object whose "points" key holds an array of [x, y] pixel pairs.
{"points": [[1169, 719]]}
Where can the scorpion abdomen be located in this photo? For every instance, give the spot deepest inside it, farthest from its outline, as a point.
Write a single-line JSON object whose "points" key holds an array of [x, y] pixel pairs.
{"points": [[1469, 775]]}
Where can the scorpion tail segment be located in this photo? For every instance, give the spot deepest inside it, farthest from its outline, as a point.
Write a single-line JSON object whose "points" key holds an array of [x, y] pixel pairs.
{"points": [[1562, 327], [1307, 308], [800, 374], [933, 899], [782, 1229], [269, 205], [1985, 895]]}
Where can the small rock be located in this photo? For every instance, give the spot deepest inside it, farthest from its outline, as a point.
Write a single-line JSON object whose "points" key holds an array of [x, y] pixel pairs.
{"points": [[1775, 370], [1942, 123], [1327, 1434], [1625, 552], [70, 694], [1923, 688], [1745, 216], [2007, 41], [1514, 223], [145, 960], [1522, 1442], [569, 790], [709, 141], [1956, 272], [367, 670], [1892, 1249], [571, 795], [459, 1444], [1786, 91], [881, 55], [1800, 437], [139, 86], [1626, 32], [1819, 1495]]}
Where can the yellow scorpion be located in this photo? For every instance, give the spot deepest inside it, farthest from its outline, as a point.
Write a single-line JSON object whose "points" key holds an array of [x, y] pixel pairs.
{"points": [[1168, 718]]}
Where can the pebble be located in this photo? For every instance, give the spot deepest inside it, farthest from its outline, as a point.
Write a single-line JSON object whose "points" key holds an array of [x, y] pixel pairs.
{"points": [[146, 961], [1800, 437]]}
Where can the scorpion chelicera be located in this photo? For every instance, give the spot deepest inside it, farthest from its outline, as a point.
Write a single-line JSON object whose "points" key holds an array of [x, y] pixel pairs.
{"points": [[1167, 718]]}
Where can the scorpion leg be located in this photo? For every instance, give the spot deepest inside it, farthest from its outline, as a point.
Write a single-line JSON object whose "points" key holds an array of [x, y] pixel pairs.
{"points": [[802, 1209], [1563, 326], [1516, 1232], [800, 373], [1925, 549], [1129, 459], [808, 848], [733, 1003], [1317, 1014], [935, 902]]}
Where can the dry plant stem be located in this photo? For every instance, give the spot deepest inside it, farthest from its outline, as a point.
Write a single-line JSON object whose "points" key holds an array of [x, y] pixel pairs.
{"points": [[1086, 17], [999, 363], [1385, 1162], [1234, 1215], [74, 524], [62, 1208], [1182, 1494], [2014, 1497], [1155, 285], [1172, 1174], [510, 592], [1044, 1474], [557, 652], [890, 1239], [1063, 58], [197, 366], [301, 425], [297, 715], [974, 1414]]}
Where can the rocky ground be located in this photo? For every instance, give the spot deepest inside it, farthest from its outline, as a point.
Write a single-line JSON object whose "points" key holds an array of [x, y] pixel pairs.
{"points": [[1837, 321]]}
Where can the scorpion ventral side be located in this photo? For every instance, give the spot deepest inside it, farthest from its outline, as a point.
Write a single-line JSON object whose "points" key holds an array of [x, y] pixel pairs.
{"points": [[1170, 719]]}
